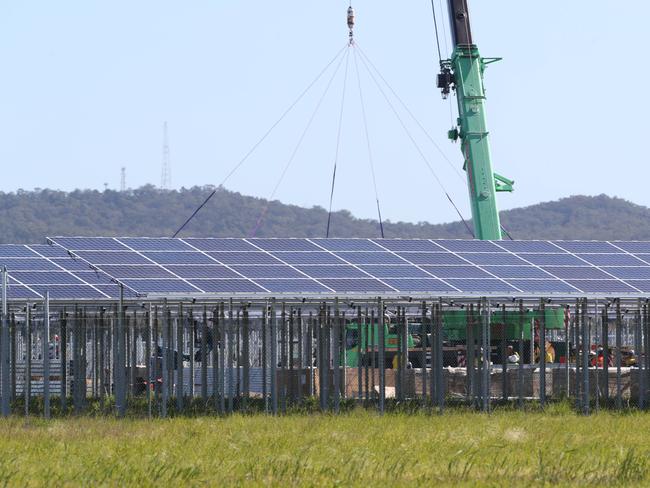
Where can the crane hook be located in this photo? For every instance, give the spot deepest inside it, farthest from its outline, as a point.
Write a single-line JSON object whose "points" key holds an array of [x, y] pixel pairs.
{"points": [[351, 23]]}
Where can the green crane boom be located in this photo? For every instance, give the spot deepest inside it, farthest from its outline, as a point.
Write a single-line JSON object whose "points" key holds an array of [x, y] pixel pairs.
{"points": [[464, 73]]}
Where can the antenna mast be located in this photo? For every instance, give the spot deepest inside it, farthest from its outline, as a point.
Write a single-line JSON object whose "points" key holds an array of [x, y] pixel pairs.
{"points": [[123, 179], [166, 174]]}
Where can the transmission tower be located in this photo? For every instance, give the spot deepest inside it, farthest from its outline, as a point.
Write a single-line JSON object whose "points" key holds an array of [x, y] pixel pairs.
{"points": [[123, 179], [166, 174]]}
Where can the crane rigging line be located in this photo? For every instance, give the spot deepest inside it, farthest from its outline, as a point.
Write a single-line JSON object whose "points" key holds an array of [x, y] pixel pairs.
{"points": [[435, 25], [338, 141], [367, 134], [263, 138], [413, 141], [297, 147]]}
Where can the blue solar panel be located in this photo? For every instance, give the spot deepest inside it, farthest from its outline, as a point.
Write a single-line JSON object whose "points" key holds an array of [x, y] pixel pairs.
{"points": [[19, 292], [456, 271], [160, 286], [293, 286], [280, 271], [220, 244], [144, 271], [89, 243], [529, 247], [71, 292], [468, 246], [285, 245], [112, 257], [29, 264], [486, 258], [601, 286], [644, 257], [70, 264], [516, 272], [481, 285], [409, 245], [419, 285], [347, 244], [643, 285], [16, 251], [178, 257], [432, 258], [577, 272], [113, 291], [334, 271], [542, 286], [633, 246], [629, 272], [611, 259], [356, 285], [297, 258], [257, 257], [49, 251], [554, 260], [370, 258], [155, 244], [406, 271], [45, 278], [228, 286], [94, 277], [194, 271], [578, 247]]}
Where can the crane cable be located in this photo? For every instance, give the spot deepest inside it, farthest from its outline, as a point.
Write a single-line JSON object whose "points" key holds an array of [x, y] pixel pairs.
{"points": [[260, 219], [366, 61], [262, 139], [338, 136], [367, 134]]}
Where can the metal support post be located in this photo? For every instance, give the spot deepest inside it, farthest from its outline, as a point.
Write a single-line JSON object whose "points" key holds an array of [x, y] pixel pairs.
{"points": [[619, 386], [166, 377], [542, 353], [27, 385], [382, 356], [4, 346], [485, 306], [274, 359], [46, 355], [520, 369], [585, 358], [180, 363], [231, 353]]}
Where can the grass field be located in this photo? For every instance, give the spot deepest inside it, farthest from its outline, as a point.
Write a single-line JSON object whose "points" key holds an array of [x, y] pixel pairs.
{"points": [[557, 447]]}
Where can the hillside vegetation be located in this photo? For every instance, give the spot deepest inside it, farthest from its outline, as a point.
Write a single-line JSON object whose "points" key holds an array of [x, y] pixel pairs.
{"points": [[29, 216]]}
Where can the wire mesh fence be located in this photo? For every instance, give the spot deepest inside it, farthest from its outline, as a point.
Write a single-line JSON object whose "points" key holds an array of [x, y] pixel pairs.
{"points": [[168, 358]]}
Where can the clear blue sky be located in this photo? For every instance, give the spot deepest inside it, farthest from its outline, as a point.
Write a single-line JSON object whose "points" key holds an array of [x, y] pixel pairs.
{"points": [[85, 87]]}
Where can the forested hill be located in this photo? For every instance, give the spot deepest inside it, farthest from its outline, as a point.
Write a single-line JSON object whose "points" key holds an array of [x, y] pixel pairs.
{"points": [[27, 217]]}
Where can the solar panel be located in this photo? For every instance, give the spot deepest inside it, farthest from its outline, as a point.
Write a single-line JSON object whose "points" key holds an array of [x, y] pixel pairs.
{"points": [[611, 259], [578, 247], [432, 258], [356, 285], [61, 292], [137, 271], [481, 285], [408, 245], [89, 243], [227, 286], [292, 286], [468, 246], [280, 271], [370, 258], [94, 277], [112, 257], [643, 285], [633, 246], [19, 292], [516, 272], [285, 245], [553, 260], [29, 264], [298, 258], [49, 251], [577, 272], [216, 244], [542, 286], [347, 244], [154, 244], [487, 258], [113, 291], [523, 247], [255, 257], [15, 251], [178, 257], [399, 271], [456, 271], [333, 271], [194, 271], [160, 286], [601, 286], [419, 285], [45, 277], [628, 272]]}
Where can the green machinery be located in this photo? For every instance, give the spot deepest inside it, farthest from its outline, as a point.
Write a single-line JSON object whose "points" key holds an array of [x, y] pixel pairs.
{"points": [[463, 73]]}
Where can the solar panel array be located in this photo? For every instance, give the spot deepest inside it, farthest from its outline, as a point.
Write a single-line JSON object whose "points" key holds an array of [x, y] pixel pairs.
{"points": [[193, 266], [35, 269]]}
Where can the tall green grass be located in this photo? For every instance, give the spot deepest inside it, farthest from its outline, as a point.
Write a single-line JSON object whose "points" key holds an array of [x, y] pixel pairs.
{"points": [[358, 448]]}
